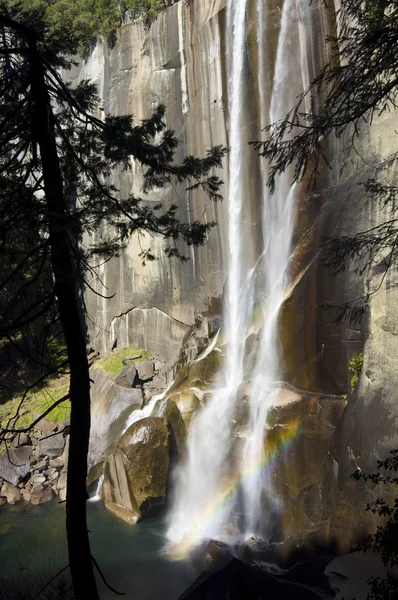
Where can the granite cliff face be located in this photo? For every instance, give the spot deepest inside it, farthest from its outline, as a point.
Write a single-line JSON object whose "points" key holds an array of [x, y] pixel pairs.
{"points": [[180, 61]]}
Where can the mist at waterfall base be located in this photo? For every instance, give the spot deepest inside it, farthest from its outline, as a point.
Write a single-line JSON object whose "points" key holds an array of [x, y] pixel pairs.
{"points": [[223, 491]]}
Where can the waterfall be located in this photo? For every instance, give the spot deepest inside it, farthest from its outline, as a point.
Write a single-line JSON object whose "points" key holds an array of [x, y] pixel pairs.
{"points": [[96, 497], [224, 488], [292, 74]]}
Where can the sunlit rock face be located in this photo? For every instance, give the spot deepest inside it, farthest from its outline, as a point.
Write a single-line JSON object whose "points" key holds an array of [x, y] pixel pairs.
{"points": [[111, 406], [177, 62], [181, 61], [137, 472]]}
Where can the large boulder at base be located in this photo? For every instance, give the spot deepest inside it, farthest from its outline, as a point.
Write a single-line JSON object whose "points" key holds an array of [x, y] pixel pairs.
{"points": [[300, 437], [15, 465], [137, 472]]}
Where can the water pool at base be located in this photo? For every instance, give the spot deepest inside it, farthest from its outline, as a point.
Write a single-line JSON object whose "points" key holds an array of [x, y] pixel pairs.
{"points": [[33, 549]]}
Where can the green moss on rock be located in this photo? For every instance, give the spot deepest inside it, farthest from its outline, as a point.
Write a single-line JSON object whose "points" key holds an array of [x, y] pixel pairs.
{"points": [[113, 363], [36, 403]]}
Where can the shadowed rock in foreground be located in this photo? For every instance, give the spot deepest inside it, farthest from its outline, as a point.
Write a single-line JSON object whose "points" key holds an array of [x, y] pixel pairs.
{"points": [[238, 581]]}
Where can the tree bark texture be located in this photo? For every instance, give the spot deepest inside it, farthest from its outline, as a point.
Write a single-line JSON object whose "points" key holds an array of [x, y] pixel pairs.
{"points": [[65, 268]]}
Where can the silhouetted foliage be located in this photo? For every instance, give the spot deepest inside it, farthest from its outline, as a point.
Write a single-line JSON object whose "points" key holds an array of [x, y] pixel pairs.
{"points": [[384, 540]]}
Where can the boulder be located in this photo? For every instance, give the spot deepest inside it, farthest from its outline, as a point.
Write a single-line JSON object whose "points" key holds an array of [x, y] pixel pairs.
{"points": [[40, 466], [136, 473], [39, 478], [25, 494], [126, 377], [145, 370], [203, 372], [238, 581], [52, 446], [117, 491], [15, 465], [56, 463], [41, 494], [51, 473], [305, 477], [122, 512], [11, 493], [348, 575], [3, 501]]}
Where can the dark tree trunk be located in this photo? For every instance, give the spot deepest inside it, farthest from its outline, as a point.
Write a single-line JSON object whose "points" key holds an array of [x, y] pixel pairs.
{"points": [[65, 267]]}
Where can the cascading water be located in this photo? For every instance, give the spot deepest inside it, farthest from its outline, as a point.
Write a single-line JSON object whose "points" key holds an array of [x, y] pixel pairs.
{"points": [[223, 487], [290, 78], [205, 475]]}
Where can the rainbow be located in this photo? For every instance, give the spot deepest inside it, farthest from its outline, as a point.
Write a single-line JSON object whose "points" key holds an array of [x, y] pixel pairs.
{"points": [[222, 503]]}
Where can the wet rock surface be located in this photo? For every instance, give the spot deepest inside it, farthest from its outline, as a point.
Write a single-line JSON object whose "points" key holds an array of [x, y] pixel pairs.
{"points": [[168, 410], [188, 404], [238, 581]]}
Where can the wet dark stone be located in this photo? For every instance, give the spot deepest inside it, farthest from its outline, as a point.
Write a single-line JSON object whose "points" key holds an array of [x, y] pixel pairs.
{"points": [[238, 581]]}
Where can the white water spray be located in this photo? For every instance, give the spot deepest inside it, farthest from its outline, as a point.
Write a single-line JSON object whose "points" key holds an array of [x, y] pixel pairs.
{"points": [[96, 497], [222, 489], [290, 77]]}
